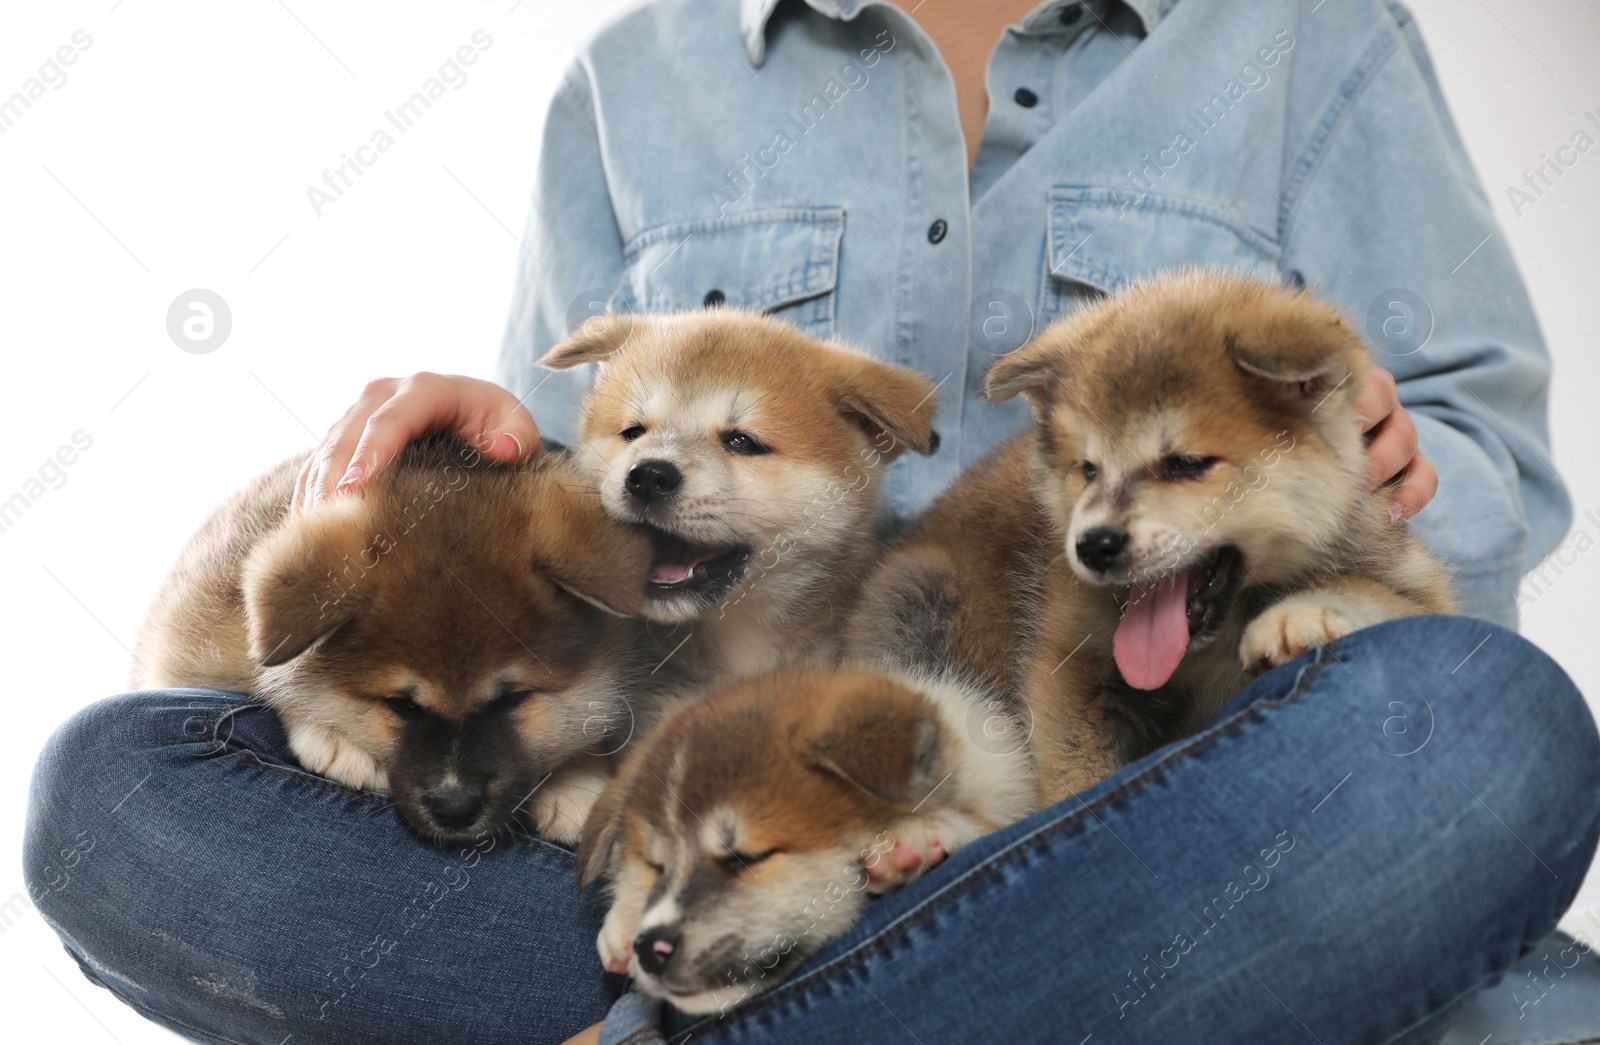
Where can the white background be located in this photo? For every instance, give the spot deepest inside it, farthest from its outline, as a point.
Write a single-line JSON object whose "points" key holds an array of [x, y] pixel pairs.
{"points": [[178, 154]]}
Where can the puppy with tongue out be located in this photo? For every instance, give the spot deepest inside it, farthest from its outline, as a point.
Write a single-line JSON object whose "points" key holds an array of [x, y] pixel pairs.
{"points": [[1188, 508], [752, 455]]}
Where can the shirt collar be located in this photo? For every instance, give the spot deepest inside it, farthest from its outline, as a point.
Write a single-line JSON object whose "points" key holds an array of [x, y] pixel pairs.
{"points": [[754, 14]]}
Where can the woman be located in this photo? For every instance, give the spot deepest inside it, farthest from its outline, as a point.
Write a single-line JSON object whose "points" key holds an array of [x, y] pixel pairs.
{"points": [[1399, 819]]}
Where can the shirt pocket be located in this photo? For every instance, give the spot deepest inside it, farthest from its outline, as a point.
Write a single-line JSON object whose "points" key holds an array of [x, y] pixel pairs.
{"points": [[1096, 242], [783, 261]]}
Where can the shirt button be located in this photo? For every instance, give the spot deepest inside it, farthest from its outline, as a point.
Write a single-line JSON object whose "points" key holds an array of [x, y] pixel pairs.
{"points": [[1071, 14], [937, 230], [715, 298], [1026, 98]]}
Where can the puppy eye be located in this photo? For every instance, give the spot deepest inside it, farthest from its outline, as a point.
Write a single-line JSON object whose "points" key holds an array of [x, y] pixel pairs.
{"points": [[632, 432], [659, 869], [1185, 466], [1089, 471], [402, 704], [508, 700], [736, 861], [737, 442]]}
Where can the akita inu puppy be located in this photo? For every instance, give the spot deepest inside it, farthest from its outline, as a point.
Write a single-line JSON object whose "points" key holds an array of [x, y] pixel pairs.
{"points": [[753, 454], [1190, 507], [453, 635], [747, 830]]}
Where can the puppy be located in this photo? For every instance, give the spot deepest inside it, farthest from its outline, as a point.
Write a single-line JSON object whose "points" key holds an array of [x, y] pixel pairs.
{"points": [[753, 454], [747, 830], [453, 635], [1189, 508]]}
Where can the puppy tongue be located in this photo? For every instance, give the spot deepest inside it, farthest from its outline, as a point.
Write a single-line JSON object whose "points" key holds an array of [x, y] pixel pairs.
{"points": [[666, 572], [1154, 632]]}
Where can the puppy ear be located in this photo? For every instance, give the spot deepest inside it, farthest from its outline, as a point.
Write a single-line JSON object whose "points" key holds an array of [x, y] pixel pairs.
{"points": [[585, 551], [594, 341], [602, 831], [1027, 370], [877, 736], [303, 583], [1309, 355], [893, 404]]}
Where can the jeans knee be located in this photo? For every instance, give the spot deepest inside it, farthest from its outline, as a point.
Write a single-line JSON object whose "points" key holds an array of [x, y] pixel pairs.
{"points": [[1516, 733], [95, 762]]}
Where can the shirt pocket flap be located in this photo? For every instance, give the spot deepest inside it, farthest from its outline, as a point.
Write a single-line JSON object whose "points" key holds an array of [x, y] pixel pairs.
{"points": [[1099, 238], [765, 261]]}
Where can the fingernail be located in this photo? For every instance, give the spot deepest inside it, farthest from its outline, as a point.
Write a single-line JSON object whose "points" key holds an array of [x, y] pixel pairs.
{"points": [[1397, 511], [352, 476], [515, 442]]}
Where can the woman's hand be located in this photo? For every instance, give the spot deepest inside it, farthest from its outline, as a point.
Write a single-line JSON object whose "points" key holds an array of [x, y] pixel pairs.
{"points": [[1392, 455], [393, 411]]}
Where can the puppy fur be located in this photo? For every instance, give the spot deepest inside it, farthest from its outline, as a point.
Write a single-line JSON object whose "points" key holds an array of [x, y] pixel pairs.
{"points": [[747, 830], [1195, 451], [453, 635], [754, 454]]}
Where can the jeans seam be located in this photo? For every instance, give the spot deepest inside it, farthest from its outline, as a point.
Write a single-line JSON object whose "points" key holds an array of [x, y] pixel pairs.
{"points": [[1303, 681], [254, 760], [1308, 163], [248, 756]]}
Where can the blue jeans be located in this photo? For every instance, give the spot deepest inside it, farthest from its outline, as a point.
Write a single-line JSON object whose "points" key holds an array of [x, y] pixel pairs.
{"points": [[1359, 842]]}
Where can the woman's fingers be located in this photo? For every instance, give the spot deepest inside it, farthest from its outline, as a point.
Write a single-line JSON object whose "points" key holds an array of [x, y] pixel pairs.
{"points": [[1391, 447], [392, 412], [479, 413], [321, 472], [1393, 456], [1415, 489]]}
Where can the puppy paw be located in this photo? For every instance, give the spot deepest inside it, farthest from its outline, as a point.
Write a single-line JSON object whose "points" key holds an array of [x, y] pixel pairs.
{"points": [[561, 806], [911, 848], [326, 752], [1290, 629], [616, 949]]}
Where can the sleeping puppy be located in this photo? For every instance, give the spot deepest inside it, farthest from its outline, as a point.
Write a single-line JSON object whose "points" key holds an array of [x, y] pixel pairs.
{"points": [[753, 454], [748, 829], [453, 635], [1189, 508]]}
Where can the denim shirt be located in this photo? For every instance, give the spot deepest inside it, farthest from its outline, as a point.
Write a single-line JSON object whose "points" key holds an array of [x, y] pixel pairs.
{"points": [[806, 159]]}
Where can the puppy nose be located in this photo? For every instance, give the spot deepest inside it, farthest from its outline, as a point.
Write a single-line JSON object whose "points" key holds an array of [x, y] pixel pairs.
{"points": [[455, 808], [655, 948], [653, 480], [1100, 548]]}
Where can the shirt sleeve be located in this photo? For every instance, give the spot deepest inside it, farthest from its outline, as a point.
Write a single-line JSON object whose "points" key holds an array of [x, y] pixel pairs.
{"points": [[1383, 212], [570, 263]]}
